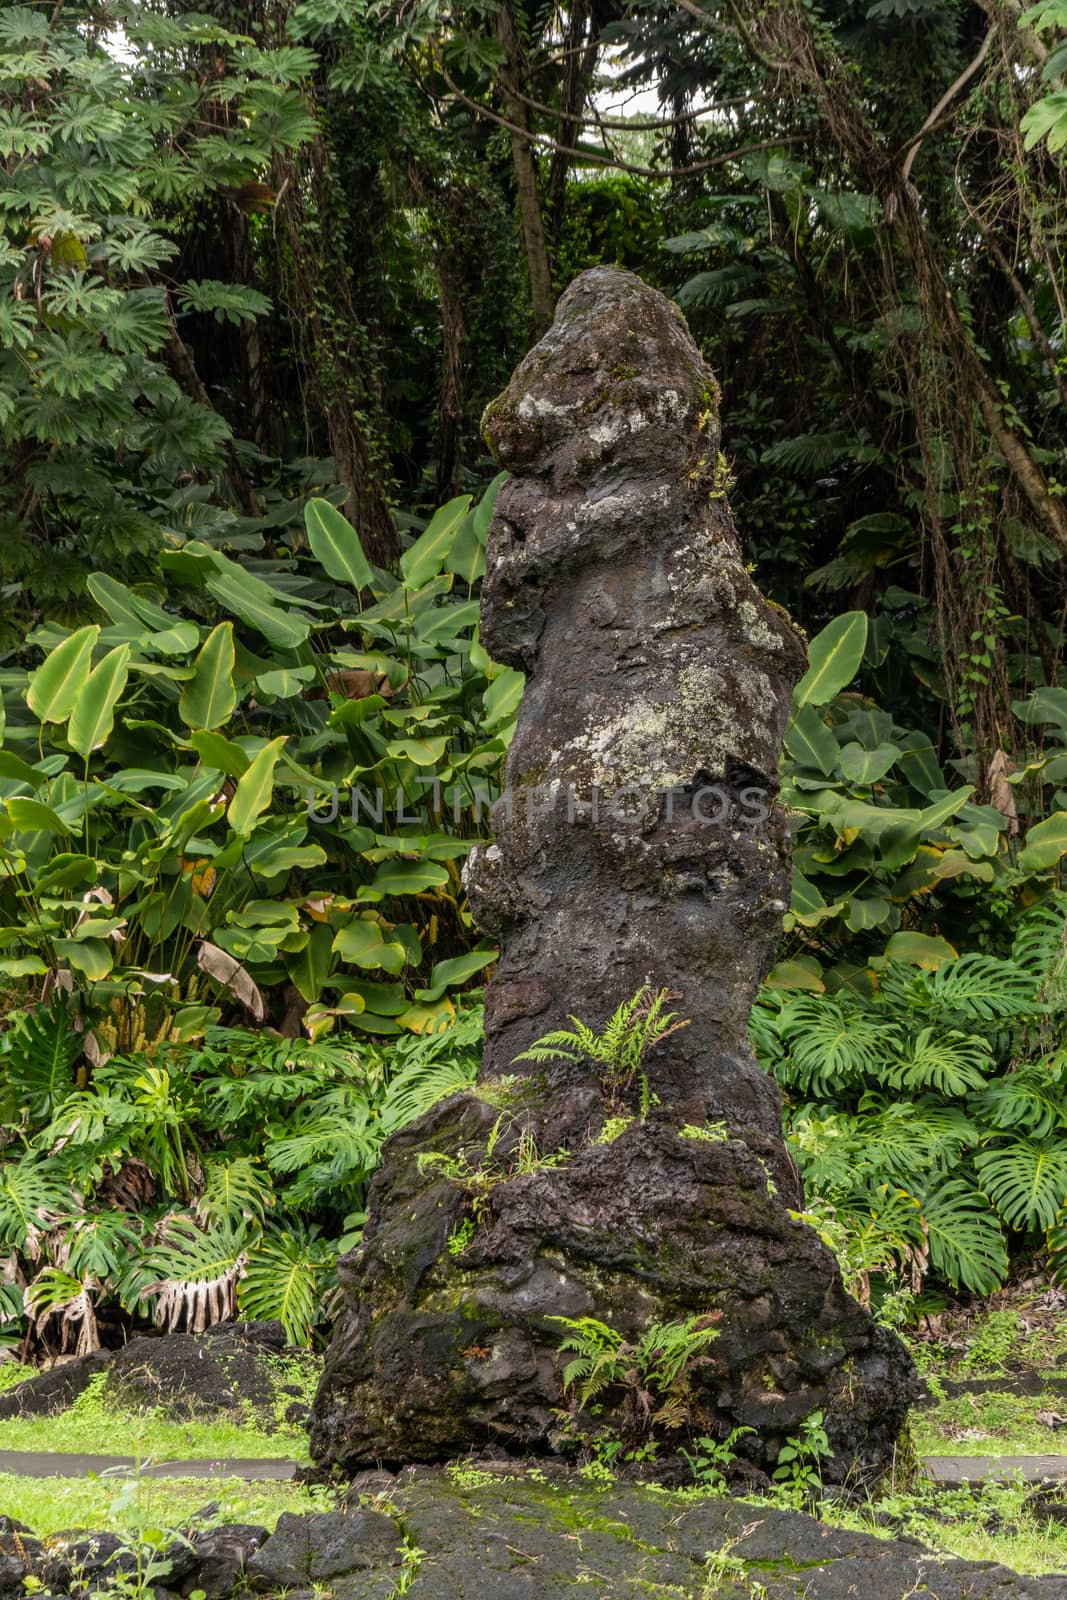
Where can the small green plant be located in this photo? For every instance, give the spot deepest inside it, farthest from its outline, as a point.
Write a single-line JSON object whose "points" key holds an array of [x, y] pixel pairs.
{"points": [[726, 1569], [991, 1343], [461, 1236], [710, 1459], [800, 1460], [613, 1129], [706, 1133], [411, 1559], [654, 1371], [479, 1181], [150, 1544], [620, 1049], [469, 1477]]}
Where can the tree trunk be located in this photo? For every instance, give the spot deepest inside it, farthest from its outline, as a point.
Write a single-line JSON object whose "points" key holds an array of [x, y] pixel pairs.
{"points": [[510, 81], [326, 320]]}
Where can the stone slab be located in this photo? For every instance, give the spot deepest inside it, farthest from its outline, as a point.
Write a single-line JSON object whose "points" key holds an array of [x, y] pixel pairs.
{"points": [[955, 1472], [54, 1464]]}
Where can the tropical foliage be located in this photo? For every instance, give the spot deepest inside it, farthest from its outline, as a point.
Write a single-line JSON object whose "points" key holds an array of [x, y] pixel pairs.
{"points": [[193, 1185], [257, 798], [261, 268]]}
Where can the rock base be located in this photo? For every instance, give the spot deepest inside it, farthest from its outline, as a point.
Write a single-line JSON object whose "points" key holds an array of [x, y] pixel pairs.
{"points": [[469, 1533], [447, 1341]]}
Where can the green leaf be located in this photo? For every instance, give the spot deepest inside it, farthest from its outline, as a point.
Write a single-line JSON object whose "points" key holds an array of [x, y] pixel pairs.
{"points": [[209, 697], [216, 751], [920, 950], [34, 816], [310, 968], [285, 682], [919, 764], [965, 1239], [335, 545], [283, 629], [122, 605], [92, 957], [932, 816], [1046, 118], [255, 789], [404, 877], [1046, 843], [503, 697], [467, 555], [93, 716], [23, 967], [361, 943], [59, 680], [834, 656], [867, 766], [424, 752], [1027, 1181], [15, 770], [446, 974], [811, 743], [427, 555]]}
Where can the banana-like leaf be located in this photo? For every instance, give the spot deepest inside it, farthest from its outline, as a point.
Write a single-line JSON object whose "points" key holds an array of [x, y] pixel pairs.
{"points": [[834, 656], [255, 789], [335, 545], [59, 680], [93, 716], [210, 696], [427, 555]]}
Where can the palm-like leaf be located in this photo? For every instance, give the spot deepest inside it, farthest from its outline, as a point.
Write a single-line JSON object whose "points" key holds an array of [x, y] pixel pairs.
{"points": [[191, 1275], [833, 1044], [980, 988], [235, 1191], [33, 1196], [1026, 1181], [1040, 948], [965, 1239], [284, 1278], [421, 1086], [1030, 1099], [39, 1053], [943, 1059]]}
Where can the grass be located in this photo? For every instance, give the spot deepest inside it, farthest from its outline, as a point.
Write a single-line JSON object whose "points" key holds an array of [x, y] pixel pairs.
{"points": [[991, 1424], [49, 1505], [95, 1425], [992, 1523]]}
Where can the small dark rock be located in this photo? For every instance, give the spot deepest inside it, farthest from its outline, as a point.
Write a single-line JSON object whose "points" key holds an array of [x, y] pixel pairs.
{"points": [[221, 1556], [12, 1571], [322, 1546], [53, 1391], [88, 1558]]}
